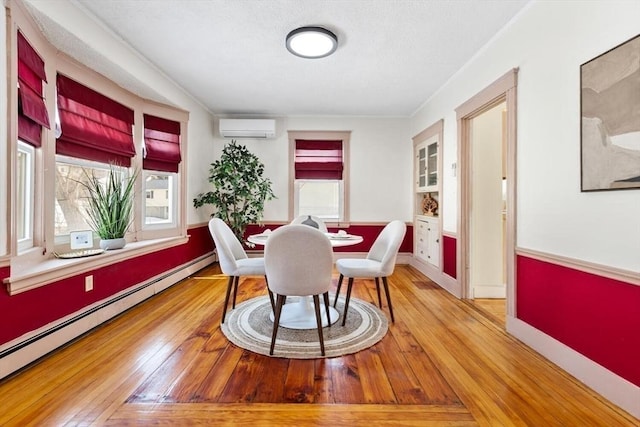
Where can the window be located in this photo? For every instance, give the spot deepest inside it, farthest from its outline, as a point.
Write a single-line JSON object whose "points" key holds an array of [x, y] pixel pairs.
{"points": [[70, 195], [319, 172], [321, 198], [161, 162], [160, 203], [32, 117], [25, 174], [93, 130]]}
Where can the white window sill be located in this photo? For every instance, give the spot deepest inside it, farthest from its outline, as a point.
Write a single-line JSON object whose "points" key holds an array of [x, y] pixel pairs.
{"points": [[30, 275]]}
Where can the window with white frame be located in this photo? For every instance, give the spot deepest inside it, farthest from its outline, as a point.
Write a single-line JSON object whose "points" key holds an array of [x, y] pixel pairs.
{"points": [[96, 133], [160, 202], [161, 164], [93, 133], [25, 180], [319, 184], [71, 195], [323, 198], [32, 117]]}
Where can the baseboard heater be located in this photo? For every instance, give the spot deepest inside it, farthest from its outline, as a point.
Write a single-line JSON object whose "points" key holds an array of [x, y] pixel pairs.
{"points": [[6, 352]]}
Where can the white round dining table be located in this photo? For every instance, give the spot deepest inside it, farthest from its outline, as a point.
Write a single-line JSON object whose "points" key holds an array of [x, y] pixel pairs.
{"points": [[299, 313]]}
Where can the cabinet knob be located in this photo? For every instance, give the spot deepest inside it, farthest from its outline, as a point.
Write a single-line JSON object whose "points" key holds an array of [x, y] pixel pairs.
{"points": [[437, 240]]}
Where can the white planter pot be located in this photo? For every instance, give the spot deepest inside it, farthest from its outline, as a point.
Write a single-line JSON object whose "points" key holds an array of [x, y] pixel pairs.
{"points": [[110, 244]]}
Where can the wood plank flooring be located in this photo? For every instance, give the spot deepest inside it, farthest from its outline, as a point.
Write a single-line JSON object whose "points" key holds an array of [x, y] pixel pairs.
{"points": [[165, 361]]}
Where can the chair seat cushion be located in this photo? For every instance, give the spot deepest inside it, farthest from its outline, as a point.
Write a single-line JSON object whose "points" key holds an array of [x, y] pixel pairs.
{"points": [[249, 267], [355, 267]]}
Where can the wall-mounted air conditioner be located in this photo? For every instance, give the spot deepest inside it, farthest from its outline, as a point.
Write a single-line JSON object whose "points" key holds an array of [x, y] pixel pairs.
{"points": [[247, 128]]}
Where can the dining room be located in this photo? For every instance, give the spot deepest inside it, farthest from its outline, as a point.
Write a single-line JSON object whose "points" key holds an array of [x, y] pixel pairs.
{"points": [[368, 135]]}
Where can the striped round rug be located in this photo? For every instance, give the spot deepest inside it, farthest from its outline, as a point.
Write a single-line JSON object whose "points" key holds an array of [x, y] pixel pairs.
{"points": [[248, 326]]}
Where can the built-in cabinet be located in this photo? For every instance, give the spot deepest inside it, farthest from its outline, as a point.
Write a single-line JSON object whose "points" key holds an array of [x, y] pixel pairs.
{"points": [[427, 229], [427, 239]]}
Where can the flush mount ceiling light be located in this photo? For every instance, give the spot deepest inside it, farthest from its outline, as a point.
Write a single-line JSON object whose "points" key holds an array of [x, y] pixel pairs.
{"points": [[311, 42]]}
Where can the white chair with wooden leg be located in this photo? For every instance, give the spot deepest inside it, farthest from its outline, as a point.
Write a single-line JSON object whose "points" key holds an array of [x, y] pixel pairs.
{"points": [[233, 260], [298, 262], [379, 263]]}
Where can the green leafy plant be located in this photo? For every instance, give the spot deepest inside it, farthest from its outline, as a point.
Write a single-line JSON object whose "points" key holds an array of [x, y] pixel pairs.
{"points": [[110, 202], [239, 189]]}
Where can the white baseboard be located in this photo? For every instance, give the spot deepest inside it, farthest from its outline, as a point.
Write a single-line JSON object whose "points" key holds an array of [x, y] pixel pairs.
{"points": [[445, 281], [490, 291], [18, 353], [606, 383]]}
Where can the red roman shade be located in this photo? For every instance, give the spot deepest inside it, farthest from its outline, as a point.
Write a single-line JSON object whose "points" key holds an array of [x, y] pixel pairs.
{"points": [[162, 144], [317, 159], [32, 111], [93, 126]]}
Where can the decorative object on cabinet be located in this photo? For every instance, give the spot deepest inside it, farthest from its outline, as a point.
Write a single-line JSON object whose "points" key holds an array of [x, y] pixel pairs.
{"points": [[610, 119], [429, 205]]}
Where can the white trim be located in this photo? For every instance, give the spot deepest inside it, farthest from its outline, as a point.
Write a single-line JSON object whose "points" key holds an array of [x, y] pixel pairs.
{"points": [[104, 310], [489, 291], [626, 276], [33, 274], [436, 275], [606, 383]]}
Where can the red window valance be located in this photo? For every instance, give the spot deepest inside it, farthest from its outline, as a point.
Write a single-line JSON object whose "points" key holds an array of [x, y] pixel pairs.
{"points": [[93, 126], [32, 110], [318, 159], [162, 144]]}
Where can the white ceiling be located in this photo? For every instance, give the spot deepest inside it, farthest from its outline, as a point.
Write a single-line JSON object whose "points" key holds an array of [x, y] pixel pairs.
{"points": [[231, 56]]}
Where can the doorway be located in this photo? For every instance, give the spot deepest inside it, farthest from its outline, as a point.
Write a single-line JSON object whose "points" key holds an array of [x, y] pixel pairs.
{"points": [[487, 214], [487, 193]]}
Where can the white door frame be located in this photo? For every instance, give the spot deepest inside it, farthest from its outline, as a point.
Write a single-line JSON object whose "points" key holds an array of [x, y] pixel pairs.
{"points": [[502, 90]]}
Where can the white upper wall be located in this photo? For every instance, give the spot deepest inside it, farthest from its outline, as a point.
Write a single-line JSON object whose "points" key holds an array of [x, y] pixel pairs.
{"points": [[380, 155], [548, 41], [380, 148]]}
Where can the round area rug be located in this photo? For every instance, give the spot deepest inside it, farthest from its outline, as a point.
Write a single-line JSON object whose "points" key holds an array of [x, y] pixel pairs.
{"points": [[248, 326]]}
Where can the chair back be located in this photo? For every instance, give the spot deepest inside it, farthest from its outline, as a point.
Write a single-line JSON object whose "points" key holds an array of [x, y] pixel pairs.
{"points": [[228, 247], [312, 221], [298, 261], [386, 246]]}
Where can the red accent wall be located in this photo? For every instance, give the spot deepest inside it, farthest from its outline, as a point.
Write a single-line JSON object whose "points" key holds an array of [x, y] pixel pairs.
{"points": [[449, 256], [596, 316], [368, 232], [33, 309]]}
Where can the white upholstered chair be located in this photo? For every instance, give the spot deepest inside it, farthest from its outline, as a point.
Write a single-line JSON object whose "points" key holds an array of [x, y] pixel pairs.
{"points": [[233, 260], [379, 263], [298, 262], [312, 221]]}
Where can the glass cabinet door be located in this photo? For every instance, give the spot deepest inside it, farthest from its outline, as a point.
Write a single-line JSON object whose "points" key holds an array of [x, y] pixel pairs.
{"points": [[422, 168], [432, 164]]}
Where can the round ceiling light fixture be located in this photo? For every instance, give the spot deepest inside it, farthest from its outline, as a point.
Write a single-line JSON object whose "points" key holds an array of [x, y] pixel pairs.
{"points": [[311, 42]]}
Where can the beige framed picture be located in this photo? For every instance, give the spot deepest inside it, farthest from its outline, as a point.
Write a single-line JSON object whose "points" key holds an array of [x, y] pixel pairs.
{"points": [[610, 119]]}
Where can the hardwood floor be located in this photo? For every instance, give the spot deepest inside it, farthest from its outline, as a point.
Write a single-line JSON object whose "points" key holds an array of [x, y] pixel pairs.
{"points": [[166, 361], [494, 309]]}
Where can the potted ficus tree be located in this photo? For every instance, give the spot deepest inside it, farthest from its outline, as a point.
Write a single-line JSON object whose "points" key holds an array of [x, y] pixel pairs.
{"points": [[110, 205], [239, 189]]}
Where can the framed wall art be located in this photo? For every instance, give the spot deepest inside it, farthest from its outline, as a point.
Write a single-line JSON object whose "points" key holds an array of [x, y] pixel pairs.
{"points": [[610, 119]]}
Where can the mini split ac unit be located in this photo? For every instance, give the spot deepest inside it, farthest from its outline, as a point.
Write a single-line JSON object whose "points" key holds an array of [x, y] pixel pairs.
{"points": [[247, 128]]}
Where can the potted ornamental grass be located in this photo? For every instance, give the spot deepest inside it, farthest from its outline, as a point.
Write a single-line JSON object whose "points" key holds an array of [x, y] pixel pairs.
{"points": [[109, 207], [239, 189]]}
